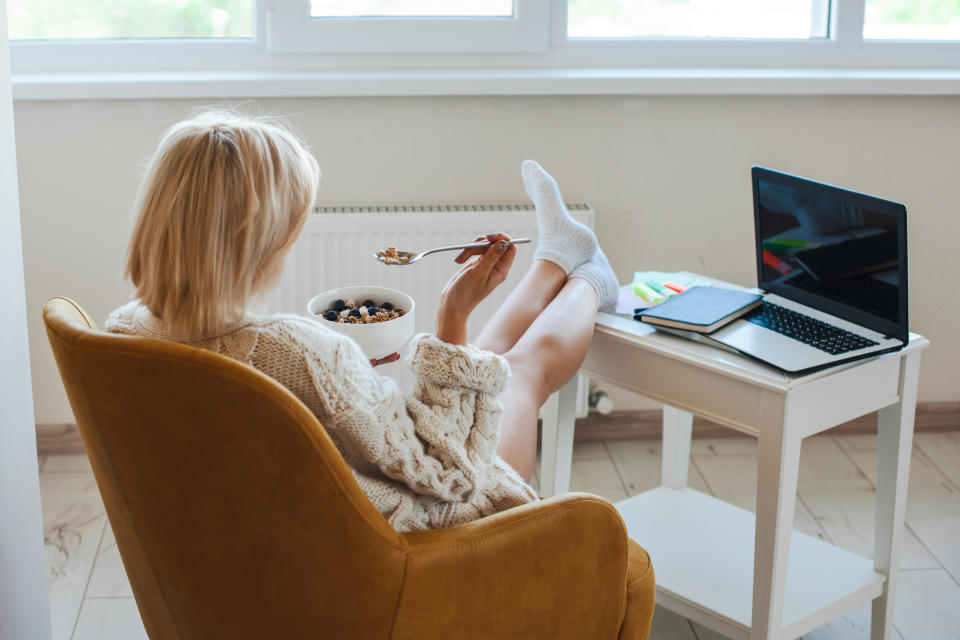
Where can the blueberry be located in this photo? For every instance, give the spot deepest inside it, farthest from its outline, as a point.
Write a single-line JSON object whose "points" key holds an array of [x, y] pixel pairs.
{"points": [[355, 312], [338, 305], [368, 303], [330, 315], [386, 306], [373, 311]]}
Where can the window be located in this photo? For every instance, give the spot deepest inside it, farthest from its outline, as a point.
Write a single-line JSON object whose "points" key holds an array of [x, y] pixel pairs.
{"points": [[697, 19], [410, 26], [481, 46], [410, 8], [90, 19], [912, 20], [866, 35]]}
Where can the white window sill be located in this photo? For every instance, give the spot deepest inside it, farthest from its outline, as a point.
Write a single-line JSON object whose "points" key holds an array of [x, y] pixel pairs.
{"points": [[480, 82]]}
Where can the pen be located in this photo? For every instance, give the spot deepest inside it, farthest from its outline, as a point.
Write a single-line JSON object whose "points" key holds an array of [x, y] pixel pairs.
{"points": [[647, 293], [679, 288], [666, 293]]}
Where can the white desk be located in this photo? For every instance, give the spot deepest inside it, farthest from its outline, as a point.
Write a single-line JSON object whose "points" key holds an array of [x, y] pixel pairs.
{"points": [[742, 575]]}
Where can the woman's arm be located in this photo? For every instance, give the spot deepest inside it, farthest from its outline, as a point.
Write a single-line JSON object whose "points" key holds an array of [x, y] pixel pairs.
{"points": [[440, 441], [469, 286]]}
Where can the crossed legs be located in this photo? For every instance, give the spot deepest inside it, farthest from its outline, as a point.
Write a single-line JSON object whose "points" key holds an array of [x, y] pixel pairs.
{"points": [[544, 336], [544, 327]]}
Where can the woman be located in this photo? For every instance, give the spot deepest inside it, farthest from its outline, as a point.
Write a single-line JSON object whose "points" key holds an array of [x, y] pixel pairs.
{"points": [[223, 201]]}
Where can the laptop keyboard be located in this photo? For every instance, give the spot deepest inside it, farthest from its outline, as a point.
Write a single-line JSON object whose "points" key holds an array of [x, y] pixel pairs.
{"points": [[807, 330]]}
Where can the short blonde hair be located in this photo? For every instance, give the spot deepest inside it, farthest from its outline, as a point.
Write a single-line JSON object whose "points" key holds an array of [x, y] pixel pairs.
{"points": [[223, 200]]}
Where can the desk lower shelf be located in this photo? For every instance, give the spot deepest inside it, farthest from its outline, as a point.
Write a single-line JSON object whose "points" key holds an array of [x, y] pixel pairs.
{"points": [[702, 552]]}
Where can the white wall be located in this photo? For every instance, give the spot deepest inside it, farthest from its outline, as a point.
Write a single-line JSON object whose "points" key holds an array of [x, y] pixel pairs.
{"points": [[23, 587], [667, 175]]}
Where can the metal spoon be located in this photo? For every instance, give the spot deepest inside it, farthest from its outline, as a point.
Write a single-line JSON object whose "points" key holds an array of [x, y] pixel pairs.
{"points": [[408, 257]]}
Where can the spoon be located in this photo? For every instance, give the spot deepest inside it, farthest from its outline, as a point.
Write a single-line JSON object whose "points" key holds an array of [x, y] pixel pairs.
{"points": [[408, 257]]}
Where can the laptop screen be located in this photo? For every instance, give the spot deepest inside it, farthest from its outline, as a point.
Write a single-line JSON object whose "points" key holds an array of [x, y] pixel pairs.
{"points": [[838, 251]]}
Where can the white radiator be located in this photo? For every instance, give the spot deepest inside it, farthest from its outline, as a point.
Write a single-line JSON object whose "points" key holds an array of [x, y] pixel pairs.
{"points": [[338, 243]]}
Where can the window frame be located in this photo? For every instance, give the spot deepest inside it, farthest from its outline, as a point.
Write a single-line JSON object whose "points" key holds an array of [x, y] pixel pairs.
{"points": [[290, 29], [843, 48], [253, 68]]}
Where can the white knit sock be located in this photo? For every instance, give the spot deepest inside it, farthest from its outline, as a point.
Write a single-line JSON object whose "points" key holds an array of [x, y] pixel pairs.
{"points": [[563, 240], [601, 277]]}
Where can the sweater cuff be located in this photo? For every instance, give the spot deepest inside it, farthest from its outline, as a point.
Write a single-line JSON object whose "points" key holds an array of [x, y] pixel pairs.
{"points": [[450, 365]]}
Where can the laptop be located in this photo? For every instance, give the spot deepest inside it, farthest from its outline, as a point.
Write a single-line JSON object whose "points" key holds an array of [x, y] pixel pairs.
{"points": [[832, 265]]}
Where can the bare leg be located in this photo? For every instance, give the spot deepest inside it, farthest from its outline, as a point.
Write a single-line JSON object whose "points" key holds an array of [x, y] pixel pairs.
{"points": [[538, 287], [544, 357]]}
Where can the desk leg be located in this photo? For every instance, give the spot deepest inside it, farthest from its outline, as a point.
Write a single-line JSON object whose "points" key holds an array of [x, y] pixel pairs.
{"points": [[894, 444], [778, 465], [556, 454], [677, 431]]}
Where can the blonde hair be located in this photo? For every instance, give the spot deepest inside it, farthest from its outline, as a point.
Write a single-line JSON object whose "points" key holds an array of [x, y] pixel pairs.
{"points": [[223, 200]]}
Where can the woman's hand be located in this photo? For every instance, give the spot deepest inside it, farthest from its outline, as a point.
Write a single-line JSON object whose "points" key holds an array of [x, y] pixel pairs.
{"points": [[471, 284]]}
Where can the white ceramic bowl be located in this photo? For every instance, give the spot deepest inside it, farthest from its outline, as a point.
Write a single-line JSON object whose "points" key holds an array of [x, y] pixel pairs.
{"points": [[376, 339]]}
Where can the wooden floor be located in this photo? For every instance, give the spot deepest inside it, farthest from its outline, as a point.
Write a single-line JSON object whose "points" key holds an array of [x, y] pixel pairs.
{"points": [[91, 600]]}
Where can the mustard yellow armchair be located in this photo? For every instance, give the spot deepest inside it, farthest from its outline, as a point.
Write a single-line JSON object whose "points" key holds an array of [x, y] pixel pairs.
{"points": [[236, 517]]}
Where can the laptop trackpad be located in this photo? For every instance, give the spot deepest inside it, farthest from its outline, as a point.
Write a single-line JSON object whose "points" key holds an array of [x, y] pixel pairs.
{"points": [[770, 346]]}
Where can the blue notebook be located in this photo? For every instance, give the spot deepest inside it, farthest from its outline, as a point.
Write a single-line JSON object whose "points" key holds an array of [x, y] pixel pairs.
{"points": [[701, 309]]}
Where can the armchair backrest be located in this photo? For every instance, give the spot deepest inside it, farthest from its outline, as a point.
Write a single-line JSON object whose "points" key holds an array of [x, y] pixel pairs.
{"points": [[234, 513]]}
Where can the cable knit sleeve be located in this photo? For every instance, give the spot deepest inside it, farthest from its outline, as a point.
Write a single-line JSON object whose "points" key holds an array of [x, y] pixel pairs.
{"points": [[441, 441]]}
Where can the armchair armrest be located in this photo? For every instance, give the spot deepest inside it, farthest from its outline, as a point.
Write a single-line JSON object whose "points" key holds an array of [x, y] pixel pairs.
{"points": [[550, 569]]}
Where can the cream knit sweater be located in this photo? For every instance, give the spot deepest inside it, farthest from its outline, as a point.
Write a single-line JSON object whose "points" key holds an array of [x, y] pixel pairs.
{"points": [[425, 462]]}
